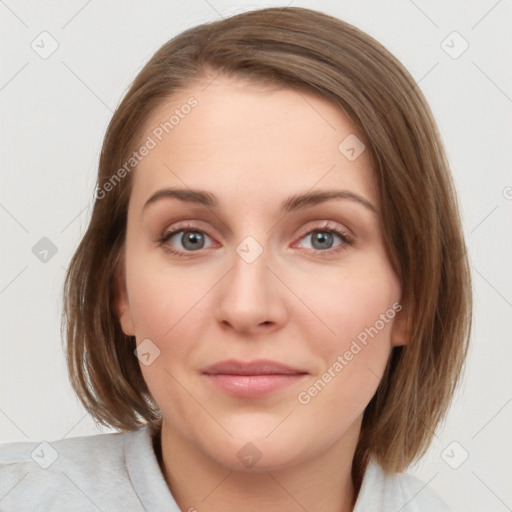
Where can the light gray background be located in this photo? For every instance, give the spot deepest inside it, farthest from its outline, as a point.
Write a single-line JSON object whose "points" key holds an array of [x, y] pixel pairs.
{"points": [[54, 115]]}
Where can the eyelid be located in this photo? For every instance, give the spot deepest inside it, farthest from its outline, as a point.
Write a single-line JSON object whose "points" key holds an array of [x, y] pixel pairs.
{"points": [[182, 226], [327, 226]]}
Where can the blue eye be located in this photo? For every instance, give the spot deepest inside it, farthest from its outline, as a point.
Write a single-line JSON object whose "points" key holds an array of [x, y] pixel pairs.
{"points": [[191, 240], [323, 239]]}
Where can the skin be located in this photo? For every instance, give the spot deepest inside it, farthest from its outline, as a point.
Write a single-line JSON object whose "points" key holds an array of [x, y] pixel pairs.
{"points": [[293, 304]]}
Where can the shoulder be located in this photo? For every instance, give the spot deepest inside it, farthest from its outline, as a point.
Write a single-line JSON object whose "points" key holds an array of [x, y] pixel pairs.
{"points": [[65, 472], [396, 491]]}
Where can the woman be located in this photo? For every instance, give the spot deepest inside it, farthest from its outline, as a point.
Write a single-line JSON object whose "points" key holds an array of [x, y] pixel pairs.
{"points": [[266, 301]]}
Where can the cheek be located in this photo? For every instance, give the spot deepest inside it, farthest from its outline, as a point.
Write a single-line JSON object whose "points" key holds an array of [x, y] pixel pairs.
{"points": [[162, 298], [351, 361], [352, 302], [357, 312], [167, 305]]}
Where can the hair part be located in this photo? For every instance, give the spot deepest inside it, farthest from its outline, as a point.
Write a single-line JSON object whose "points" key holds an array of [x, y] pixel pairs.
{"points": [[315, 53]]}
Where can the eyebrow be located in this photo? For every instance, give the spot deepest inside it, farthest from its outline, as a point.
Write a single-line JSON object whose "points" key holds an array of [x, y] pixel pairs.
{"points": [[293, 203]]}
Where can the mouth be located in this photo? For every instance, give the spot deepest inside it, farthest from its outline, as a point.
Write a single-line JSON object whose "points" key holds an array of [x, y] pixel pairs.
{"points": [[252, 379]]}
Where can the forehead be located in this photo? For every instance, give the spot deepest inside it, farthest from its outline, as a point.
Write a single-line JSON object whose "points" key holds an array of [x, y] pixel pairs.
{"points": [[243, 140]]}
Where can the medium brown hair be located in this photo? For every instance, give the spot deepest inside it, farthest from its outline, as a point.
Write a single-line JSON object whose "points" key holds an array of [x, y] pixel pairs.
{"points": [[315, 53]]}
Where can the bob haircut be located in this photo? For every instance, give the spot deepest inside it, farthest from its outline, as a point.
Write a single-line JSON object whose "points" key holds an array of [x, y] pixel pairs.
{"points": [[310, 52]]}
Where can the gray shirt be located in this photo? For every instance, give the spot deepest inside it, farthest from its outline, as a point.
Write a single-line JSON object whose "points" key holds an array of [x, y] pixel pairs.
{"points": [[119, 472]]}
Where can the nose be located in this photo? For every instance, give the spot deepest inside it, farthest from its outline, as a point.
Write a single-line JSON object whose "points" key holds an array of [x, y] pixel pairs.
{"points": [[251, 297]]}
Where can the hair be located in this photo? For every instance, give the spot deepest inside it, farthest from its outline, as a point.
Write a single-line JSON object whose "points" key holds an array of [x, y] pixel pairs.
{"points": [[311, 52]]}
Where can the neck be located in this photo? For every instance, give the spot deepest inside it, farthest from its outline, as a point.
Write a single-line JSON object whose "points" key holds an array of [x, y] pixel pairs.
{"points": [[196, 481]]}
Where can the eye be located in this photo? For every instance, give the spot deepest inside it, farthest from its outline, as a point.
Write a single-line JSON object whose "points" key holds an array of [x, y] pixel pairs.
{"points": [[190, 240], [322, 239], [193, 240]]}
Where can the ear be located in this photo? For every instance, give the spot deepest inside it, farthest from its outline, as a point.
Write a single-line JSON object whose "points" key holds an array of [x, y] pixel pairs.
{"points": [[121, 302], [401, 331]]}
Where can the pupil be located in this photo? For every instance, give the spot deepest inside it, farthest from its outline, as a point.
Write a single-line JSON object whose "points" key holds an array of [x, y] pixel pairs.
{"points": [[193, 238], [323, 238]]}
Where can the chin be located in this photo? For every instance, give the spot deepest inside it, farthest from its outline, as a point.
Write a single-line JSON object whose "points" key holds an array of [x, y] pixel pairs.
{"points": [[254, 454]]}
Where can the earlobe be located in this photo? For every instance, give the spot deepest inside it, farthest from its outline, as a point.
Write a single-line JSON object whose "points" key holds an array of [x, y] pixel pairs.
{"points": [[121, 302], [401, 332]]}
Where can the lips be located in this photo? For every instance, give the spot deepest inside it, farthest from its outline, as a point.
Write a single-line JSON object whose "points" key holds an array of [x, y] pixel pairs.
{"points": [[258, 367], [252, 379]]}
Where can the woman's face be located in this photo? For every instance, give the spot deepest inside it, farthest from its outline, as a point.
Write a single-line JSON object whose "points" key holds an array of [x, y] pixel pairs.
{"points": [[257, 273]]}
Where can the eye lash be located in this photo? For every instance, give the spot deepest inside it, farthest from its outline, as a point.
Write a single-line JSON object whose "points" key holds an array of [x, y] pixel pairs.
{"points": [[168, 234], [344, 236], [179, 227]]}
